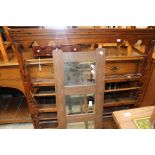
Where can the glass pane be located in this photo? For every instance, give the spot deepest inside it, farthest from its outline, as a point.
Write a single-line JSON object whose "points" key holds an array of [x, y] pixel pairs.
{"points": [[76, 104], [79, 73], [81, 125]]}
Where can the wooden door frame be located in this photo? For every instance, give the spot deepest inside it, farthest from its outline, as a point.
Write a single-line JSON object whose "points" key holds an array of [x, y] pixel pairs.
{"points": [[59, 58]]}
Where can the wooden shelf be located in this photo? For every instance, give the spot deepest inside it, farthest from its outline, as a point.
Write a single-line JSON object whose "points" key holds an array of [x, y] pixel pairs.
{"points": [[121, 89], [47, 116], [48, 124], [43, 91], [40, 94], [112, 78], [122, 64], [108, 110], [47, 108], [43, 82], [118, 102], [122, 78], [124, 58], [39, 61]]}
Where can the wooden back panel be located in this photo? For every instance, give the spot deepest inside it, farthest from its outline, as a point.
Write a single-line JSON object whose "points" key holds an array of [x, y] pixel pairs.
{"points": [[26, 36]]}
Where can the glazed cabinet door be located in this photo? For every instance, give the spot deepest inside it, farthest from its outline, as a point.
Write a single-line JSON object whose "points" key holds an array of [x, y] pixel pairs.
{"points": [[79, 88]]}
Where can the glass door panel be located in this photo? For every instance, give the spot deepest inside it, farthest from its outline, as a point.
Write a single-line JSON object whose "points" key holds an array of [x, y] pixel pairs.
{"points": [[79, 104], [79, 73]]}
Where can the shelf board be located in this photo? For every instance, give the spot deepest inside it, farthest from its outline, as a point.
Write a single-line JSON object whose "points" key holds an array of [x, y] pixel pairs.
{"points": [[111, 78], [39, 61], [44, 94], [109, 110], [118, 102], [48, 124], [121, 89], [43, 82], [122, 78], [125, 58], [48, 116], [47, 108], [40, 93]]}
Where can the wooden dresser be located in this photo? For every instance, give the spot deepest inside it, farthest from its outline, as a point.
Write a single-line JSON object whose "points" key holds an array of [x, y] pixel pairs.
{"points": [[122, 78], [125, 72]]}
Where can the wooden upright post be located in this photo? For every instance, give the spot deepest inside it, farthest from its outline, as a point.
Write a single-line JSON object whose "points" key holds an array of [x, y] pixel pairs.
{"points": [[8, 37], [129, 49], [3, 50]]}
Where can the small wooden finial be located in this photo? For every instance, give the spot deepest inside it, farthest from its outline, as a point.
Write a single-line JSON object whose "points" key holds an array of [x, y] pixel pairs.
{"points": [[100, 45], [92, 46], [35, 44]]}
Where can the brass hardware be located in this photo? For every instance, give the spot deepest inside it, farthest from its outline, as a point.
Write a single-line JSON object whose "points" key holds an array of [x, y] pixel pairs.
{"points": [[114, 68]]}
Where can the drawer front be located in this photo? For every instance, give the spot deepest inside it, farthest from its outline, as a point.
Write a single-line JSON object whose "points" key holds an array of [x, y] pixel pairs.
{"points": [[38, 51], [49, 51], [45, 72], [124, 67], [9, 73], [70, 48]]}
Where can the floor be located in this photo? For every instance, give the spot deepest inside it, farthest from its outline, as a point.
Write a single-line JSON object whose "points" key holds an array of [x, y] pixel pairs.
{"points": [[17, 126]]}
